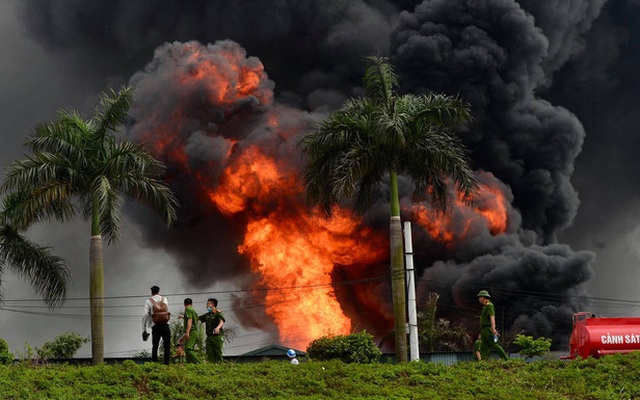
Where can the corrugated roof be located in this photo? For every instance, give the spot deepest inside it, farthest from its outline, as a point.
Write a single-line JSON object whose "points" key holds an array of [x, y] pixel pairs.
{"points": [[271, 351]]}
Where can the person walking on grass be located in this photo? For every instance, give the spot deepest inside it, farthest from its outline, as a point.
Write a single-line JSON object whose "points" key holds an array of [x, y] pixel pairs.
{"points": [[488, 332], [213, 320], [189, 338], [156, 315]]}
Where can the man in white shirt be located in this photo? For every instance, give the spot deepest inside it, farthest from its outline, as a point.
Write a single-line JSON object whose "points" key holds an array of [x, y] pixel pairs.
{"points": [[159, 330]]}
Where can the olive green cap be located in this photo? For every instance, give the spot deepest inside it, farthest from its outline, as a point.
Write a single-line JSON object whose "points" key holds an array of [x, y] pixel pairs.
{"points": [[484, 293]]}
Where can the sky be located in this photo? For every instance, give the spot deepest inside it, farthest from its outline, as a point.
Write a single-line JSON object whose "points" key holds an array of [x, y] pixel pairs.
{"points": [[553, 88]]}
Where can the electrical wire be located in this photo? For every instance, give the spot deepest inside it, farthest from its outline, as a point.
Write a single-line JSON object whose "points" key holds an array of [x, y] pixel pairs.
{"points": [[256, 297]]}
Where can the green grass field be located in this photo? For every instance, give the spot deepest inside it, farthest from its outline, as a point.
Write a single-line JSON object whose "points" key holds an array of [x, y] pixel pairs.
{"points": [[613, 377]]}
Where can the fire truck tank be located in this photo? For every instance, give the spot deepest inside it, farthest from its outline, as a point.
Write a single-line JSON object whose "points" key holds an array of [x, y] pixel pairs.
{"points": [[594, 336]]}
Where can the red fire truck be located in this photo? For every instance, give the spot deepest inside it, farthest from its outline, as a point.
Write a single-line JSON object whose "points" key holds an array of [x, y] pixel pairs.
{"points": [[597, 336]]}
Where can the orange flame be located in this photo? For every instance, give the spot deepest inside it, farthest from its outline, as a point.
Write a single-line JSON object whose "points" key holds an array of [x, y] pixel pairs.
{"points": [[489, 210], [252, 176], [226, 82], [493, 208], [291, 249]]}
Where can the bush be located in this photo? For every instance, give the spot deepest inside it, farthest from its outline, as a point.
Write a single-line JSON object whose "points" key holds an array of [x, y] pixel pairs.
{"points": [[353, 348], [63, 346], [28, 355], [6, 357], [532, 347]]}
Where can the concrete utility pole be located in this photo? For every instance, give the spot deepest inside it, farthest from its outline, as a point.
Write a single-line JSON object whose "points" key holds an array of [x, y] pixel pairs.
{"points": [[414, 351]]}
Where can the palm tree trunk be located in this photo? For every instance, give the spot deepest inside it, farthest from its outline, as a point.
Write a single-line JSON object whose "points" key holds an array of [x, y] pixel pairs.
{"points": [[96, 290], [397, 272]]}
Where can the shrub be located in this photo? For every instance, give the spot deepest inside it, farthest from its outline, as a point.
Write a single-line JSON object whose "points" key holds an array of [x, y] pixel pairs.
{"points": [[531, 347], [353, 348], [63, 346], [6, 357], [28, 355]]}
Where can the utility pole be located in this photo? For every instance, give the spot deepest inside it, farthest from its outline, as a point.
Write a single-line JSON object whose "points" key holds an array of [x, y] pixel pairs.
{"points": [[414, 351]]}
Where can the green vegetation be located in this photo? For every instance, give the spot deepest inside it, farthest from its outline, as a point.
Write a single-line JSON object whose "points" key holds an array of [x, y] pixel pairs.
{"points": [[63, 346], [613, 377], [5, 355], [46, 273], [353, 348], [439, 334], [530, 347]]}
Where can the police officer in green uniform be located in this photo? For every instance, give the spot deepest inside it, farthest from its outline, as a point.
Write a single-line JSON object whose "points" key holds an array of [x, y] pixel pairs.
{"points": [[488, 328], [190, 333], [476, 348], [213, 320]]}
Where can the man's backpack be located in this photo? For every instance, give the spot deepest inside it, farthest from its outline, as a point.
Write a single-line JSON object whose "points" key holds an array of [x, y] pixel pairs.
{"points": [[160, 312]]}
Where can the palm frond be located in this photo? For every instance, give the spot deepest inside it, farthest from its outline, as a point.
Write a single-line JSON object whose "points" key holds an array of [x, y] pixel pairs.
{"points": [[436, 161], [430, 307], [69, 127], [136, 174], [439, 334], [427, 321], [359, 174], [25, 208], [47, 273], [339, 153], [151, 192], [369, 192], [318, 177], [440, 109], [451, 336], [112, 110], [108, 200], [380, 81], [128, 158], [42, 169]]}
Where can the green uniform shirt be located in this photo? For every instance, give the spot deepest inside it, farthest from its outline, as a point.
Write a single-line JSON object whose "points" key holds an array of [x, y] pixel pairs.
{"points": [[190, 313], [211, 320], [485, 317]]}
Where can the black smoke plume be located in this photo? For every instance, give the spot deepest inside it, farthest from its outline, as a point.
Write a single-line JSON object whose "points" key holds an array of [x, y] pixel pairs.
{"points": [[519, 63]]}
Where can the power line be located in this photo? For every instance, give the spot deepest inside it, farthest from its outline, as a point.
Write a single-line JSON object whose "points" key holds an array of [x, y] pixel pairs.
{"points": [[211, 293], [282, 291]]}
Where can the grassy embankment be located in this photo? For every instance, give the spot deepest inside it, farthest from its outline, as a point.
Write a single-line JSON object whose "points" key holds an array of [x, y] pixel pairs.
{"points": [[614, 377]]}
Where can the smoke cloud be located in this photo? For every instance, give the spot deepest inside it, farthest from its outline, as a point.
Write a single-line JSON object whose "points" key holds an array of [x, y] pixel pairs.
{"points": [[521, 64], [492, 53], [298, 42], [190, 106]]}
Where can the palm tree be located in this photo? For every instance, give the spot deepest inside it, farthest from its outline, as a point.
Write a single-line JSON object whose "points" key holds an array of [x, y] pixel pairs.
{"points": [[377, 137], [439, 334], [47, 273], [82, 160]]}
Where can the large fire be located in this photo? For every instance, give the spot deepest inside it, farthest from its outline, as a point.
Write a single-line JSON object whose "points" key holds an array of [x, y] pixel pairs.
{"points": [[293, 251]]}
